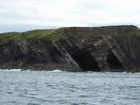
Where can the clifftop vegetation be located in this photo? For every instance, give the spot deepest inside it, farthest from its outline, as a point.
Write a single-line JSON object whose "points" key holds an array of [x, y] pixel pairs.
{"points": [[33, 34], [55, 34]]}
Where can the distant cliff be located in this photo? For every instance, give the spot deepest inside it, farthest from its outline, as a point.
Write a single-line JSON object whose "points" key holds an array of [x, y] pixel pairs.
{"points": [[111, 48]]}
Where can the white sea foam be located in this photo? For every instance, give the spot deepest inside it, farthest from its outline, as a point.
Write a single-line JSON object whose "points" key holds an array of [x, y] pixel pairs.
{"points": [[11, 69], [56, 71]]}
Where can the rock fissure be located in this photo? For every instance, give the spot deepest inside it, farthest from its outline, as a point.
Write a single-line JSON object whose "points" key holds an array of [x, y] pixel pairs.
{"points": [[113, 62], [114, 48]]}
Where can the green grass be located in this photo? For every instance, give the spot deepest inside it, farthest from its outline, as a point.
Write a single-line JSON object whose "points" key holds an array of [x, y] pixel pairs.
{"points": [[55, 34], [52, 34], [4, 37]]}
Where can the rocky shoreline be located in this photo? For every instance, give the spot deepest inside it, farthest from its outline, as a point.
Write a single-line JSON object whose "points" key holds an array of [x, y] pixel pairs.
{"points": [[113, 49]]}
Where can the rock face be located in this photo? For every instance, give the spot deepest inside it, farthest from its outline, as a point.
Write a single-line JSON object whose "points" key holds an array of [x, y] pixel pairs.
{"points": [[34, 54], [115, 48]]}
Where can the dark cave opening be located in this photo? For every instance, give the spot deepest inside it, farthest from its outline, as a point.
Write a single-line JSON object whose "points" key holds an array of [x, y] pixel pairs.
{"points": [[85, 61], [113, 62], [53, 57]]}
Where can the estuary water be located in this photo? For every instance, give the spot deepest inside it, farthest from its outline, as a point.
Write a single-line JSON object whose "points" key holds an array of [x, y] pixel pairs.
{"points": [[68, 88]]}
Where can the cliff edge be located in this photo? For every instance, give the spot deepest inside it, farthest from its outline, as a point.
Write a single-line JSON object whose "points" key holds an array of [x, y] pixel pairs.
{"points": [[110, 48]]}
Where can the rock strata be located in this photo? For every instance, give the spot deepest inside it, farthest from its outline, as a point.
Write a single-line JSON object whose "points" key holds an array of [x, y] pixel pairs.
{"points": [[114, 48]]}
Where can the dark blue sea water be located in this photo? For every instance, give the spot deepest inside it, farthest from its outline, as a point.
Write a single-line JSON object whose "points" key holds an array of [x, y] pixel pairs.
{"points": [[68, 88]]}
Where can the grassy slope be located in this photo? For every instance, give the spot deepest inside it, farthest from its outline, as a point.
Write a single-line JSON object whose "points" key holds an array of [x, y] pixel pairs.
{"points": [[33, 34], [54, 34]]}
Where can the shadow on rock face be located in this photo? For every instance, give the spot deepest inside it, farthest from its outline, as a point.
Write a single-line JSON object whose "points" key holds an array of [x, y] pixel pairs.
{"points": [[113, 62], [85, 61]]}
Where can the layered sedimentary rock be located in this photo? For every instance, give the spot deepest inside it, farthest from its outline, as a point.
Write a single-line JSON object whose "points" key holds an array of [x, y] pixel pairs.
{"points": [[114, 48], [34, 54]]}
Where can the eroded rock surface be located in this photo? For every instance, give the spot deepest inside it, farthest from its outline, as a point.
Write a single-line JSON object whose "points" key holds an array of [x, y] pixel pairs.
{"points": [[115, 48]]}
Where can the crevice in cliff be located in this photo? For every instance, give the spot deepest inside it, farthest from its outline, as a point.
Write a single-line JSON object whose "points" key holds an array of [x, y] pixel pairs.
{"points": [[85, 61], [113, 62], [53, 57]]}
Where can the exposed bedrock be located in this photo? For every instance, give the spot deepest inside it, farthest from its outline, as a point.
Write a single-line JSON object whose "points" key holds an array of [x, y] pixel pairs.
{"points": [[115, 48], [104, 48], [35, 54]]}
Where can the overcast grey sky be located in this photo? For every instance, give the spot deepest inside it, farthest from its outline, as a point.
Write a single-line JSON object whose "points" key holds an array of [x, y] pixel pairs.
{"points": [[23, 15]]}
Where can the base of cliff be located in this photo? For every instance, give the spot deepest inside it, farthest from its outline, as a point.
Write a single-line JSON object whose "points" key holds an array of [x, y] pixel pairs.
{"points": [[76, 49]]}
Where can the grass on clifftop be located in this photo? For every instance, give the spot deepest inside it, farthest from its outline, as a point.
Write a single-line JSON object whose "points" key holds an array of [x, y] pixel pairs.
{"points": [[52, 34], [55, 34]]}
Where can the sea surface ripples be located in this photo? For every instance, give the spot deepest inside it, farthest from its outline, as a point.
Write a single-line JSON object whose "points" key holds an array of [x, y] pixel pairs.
{"points": [[68, 88]]}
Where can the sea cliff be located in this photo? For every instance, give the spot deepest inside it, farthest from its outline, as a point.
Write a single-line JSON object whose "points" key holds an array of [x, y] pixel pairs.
{"points": [[110, 48]]}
